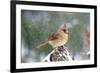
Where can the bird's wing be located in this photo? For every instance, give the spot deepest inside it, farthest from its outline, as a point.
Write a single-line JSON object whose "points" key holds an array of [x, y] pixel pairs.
{"points": [[54, 36]]}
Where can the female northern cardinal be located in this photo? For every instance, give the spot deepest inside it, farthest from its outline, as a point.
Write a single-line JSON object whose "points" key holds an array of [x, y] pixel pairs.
{"points": [[57, 39]]}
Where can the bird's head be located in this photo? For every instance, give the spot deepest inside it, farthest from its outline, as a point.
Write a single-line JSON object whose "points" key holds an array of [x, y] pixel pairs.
{"points": [[64, 28]]}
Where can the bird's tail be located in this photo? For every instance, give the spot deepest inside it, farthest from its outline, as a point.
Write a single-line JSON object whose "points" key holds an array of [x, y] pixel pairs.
{"points": [[42, 44]]}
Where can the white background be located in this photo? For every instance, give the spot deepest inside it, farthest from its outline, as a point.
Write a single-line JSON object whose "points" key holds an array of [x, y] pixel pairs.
{"points": [[5, 36]]}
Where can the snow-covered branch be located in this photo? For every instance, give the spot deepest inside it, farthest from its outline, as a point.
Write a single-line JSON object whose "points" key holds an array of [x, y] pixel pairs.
{"points": [[60, 53]]}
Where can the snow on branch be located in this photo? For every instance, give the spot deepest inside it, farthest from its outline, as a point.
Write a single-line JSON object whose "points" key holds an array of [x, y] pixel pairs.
{"points": [[60, 53]]}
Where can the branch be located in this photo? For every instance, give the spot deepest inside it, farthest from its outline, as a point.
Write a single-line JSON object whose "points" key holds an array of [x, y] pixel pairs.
{"points": [[60, 53]]}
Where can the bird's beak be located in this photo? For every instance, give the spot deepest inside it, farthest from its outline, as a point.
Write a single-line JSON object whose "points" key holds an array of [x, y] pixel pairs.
{"points": [[67, 31]]}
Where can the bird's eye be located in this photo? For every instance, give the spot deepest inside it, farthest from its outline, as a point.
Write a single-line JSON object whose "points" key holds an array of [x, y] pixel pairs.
{"points": [[64, 30]]}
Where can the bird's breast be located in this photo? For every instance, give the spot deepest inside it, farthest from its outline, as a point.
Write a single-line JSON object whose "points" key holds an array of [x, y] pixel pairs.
{"points": [[61, 40]]}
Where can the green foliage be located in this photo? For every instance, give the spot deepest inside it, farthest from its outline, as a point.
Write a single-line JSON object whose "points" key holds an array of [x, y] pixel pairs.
{"points": [[75, 39]]}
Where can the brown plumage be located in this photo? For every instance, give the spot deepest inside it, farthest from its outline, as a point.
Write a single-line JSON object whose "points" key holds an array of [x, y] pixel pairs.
{"points": [[56, 39]]}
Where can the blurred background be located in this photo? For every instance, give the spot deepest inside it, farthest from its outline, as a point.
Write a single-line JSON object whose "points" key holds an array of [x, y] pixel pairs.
{"points": [[36, 26]]}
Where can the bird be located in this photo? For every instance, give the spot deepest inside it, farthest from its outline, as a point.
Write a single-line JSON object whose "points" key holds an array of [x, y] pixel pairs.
{"points": [[59, 38]]}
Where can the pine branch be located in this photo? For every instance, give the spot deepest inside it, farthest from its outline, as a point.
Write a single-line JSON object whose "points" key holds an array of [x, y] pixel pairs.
{"points": [[60, 53]]}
